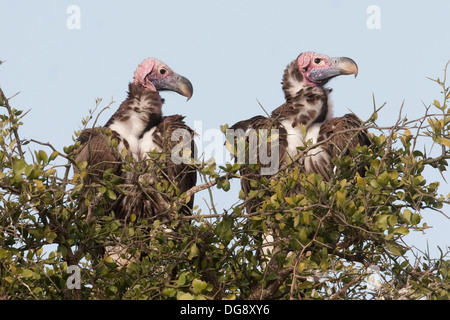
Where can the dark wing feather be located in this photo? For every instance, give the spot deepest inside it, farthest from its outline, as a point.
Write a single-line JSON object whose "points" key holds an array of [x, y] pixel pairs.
{"points": [[348, 133], [243, 129], [341, 135], [97, 151], [145, 199], [184, 175]]}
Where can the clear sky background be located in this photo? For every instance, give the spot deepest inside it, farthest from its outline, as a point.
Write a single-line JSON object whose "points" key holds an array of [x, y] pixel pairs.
{"points": [[234, 52]]}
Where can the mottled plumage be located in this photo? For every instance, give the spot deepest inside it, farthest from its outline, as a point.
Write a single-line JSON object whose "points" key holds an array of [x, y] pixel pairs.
{"points": [[337, 137], [144, 199], [308, 108], [136, 126]]}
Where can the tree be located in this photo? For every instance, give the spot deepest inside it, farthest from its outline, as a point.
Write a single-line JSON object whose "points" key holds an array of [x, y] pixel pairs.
{"points": [[342, 239]]}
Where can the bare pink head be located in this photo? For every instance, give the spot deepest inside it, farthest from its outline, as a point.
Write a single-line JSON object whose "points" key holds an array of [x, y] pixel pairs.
{"points": [[155, 75], [318, 68]]}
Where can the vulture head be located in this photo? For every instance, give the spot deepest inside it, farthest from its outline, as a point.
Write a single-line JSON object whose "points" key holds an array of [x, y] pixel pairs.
{"points": [[317, 69], [155, 75]]}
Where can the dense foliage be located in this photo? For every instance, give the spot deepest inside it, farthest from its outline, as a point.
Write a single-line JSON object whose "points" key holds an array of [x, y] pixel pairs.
{"points": [[342, 239]]}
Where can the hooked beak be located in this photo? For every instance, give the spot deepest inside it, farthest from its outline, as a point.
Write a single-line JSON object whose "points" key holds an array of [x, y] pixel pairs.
{"points": [[346, 66], [338, 66], [176, 83]]}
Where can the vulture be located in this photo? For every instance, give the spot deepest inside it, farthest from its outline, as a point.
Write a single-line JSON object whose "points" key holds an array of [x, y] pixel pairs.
{"points": [[306, 114], [135, 132]]}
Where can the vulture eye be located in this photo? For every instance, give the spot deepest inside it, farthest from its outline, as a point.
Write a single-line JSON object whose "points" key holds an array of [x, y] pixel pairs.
{"points": [[162, 71], [317, 60]]}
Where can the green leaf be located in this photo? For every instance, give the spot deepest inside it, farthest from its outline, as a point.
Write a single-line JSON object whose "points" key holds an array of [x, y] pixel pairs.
{"points": [[444, 141], [253, 193], [374, 183], [224, 229], [392, 220], [193, 251], [43, 156], [305, 285], [185, 296], [19, 166], [199, 285], [111, 194], [37, 290], [376, 163], [235, 167], [303, 130], [28, 170], [303, 235], [111, 290], [53, 155], [407, 214], [223, 184], [296, 220], [289, 201], [9, 279], [102, 189], [307, 217], [133, 267], [169, 292], [340, 197], [224, 128], [50, 237], [381, 222], [63, 250], [394, 250], [415, 219], [27, 273], [401, 230], [182, 279], [437, 104]]}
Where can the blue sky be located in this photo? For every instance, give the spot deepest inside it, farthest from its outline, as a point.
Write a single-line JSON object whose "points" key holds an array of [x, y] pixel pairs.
{"points": [[234, 52]]}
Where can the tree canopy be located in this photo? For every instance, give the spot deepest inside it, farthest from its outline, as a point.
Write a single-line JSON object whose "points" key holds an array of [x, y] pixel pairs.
{"points": [[337, 239]]}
